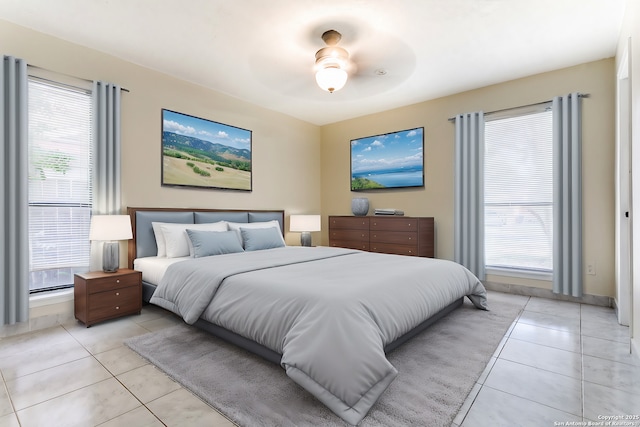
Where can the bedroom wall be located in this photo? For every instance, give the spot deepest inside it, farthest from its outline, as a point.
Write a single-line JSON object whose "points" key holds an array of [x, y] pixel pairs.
{"points": [[286, 151], [436, 199]]}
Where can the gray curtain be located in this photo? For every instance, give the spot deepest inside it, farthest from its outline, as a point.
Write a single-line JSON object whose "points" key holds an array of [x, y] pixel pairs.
{"points": [[14, 202], [567, 195], [106, 149], [469, 193], [106, 157]]}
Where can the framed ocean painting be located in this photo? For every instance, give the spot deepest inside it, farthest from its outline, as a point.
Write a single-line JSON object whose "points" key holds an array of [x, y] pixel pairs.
{"points": [[202, 153], [390, 160]]}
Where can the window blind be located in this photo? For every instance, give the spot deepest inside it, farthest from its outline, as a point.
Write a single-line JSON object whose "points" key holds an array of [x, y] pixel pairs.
{"points": [[519, 192], [60, 189]]}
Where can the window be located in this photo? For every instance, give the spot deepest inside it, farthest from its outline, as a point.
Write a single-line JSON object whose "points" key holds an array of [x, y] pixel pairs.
{"points": [[60, 198], [518, 191]]}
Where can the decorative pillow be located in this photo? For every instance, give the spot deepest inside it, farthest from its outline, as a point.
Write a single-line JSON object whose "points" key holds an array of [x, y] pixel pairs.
{"points": [[235, 226], [176, 240], [256, 239], [207, 243]]}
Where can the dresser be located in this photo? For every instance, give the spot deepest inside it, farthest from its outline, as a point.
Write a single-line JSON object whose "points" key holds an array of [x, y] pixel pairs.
{"points": [[102, 296], [400, 235]]}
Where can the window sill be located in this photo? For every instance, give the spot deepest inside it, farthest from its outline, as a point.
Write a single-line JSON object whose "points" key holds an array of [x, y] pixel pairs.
{"points": [[523, 274], [49, 298]]}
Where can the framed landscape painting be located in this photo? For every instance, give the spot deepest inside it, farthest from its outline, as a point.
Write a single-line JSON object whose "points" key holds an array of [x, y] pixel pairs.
{"points": [[203, 153], [390, 160]]}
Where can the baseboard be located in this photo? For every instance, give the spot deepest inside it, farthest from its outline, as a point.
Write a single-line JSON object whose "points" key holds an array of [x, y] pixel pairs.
{"points": [[532, 291]]}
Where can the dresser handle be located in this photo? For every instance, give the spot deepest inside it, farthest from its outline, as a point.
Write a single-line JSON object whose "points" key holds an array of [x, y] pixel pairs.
{"points": [[117, 293], [117, 280], [117, 308]]}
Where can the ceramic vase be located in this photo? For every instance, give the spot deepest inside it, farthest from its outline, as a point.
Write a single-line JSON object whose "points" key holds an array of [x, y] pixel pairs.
{"points": [[360, 206]]}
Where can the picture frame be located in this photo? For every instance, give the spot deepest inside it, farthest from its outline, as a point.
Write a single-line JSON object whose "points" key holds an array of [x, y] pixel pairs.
{"points": [[202, 153], [388, 161]]}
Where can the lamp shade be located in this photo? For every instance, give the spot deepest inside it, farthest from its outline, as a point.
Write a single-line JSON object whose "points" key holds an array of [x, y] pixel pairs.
{"points": [[304, 223], [331, 78], [110, 227]]}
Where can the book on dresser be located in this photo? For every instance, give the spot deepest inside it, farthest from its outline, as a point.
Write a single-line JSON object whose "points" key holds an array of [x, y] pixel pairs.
{"points": [[390, 234]]}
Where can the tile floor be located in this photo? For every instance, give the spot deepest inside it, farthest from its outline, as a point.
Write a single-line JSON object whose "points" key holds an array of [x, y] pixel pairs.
{"points": [[559, 362]]}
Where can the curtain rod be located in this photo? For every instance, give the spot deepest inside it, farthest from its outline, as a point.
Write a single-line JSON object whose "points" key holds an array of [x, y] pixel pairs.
{"points": [[580, 95], [67, 75]]}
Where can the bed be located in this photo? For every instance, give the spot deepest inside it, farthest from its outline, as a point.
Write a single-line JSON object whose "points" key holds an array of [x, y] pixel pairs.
{"points": [[328, 316]]}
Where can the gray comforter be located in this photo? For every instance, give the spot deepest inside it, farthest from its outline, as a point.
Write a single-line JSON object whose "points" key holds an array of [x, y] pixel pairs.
{"points": [[328, 311]]}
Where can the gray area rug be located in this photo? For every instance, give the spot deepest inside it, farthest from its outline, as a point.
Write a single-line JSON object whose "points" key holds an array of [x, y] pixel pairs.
{"points": [[437, 370]]}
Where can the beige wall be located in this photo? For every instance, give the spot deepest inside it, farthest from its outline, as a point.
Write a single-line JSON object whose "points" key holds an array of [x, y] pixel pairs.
{"points": [[436, 199], [286, 169]]}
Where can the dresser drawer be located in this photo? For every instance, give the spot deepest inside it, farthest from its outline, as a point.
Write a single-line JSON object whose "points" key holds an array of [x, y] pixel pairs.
{"points": [[395, 237], [394, 249], [114, 302], [354, 235], [362, 246], [349, 222], [117, 281], [394, 224]]}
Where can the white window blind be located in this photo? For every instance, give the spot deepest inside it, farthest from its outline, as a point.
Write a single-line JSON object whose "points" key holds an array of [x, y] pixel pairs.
{"points": [[59, 183], [519, 192]]}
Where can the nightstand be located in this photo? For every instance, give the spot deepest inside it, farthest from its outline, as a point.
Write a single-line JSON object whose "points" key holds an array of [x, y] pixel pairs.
{"points": [[102, 296]]}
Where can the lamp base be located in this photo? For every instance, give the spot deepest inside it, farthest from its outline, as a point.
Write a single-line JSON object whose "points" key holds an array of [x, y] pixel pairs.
{"points": [[305, 238], [110, 257]]}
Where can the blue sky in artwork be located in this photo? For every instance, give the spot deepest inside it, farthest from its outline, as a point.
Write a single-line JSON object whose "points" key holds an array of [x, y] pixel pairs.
{"points": [[183, 124], [386, 152]]}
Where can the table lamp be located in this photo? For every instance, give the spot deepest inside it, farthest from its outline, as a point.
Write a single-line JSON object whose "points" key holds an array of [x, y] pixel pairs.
{"points": [[110, 229], [305, 224]]}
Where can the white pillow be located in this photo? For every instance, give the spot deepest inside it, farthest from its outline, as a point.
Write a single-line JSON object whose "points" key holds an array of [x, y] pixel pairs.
{"points": [[162, 248], [177, 241], [235, 226]]}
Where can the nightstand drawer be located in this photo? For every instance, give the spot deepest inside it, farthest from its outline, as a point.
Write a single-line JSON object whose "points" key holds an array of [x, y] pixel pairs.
{"points": [[117, 281], [114, 302]]}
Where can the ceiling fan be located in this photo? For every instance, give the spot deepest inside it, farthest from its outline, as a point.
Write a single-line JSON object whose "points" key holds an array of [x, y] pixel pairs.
{"points": [[332, 63]]}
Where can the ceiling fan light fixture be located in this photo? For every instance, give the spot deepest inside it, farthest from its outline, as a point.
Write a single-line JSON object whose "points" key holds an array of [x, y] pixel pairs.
{"points": [[331, 78], [331, 63]]}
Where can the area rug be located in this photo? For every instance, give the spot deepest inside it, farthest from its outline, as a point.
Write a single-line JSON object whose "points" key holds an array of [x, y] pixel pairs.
{"points": [[437, 370]]}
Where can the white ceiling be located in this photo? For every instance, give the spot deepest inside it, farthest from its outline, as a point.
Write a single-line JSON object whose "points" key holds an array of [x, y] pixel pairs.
{"points": [[262, 51]]}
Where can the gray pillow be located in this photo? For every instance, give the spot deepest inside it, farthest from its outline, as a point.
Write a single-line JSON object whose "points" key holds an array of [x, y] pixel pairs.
{"points": [[255, 239], [207, 243]]}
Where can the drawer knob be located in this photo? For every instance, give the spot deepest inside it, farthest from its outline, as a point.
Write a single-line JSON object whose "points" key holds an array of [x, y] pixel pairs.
{"points": [[117, 280], [117, 308], [117, 293]]}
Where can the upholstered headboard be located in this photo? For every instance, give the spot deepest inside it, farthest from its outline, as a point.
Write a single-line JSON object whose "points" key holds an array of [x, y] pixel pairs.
{"points": [[143, 243]]}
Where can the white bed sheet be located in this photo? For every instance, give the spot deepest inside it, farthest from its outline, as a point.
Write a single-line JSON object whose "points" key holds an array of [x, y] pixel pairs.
{"points": [[153, 267]]}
